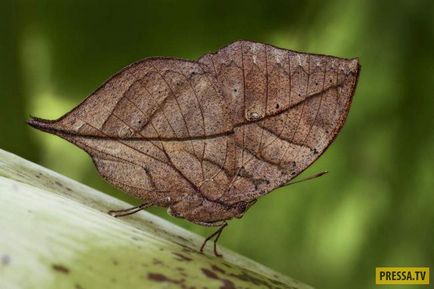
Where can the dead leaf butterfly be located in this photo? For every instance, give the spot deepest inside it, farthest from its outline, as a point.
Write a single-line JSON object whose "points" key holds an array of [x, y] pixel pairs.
{"points": [[207, 138]]}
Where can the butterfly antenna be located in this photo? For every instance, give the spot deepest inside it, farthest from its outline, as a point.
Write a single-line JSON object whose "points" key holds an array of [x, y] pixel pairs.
{"points": [[317, 175]]}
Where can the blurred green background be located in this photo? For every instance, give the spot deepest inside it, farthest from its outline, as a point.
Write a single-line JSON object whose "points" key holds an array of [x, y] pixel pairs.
{"points": [[375, 208]]}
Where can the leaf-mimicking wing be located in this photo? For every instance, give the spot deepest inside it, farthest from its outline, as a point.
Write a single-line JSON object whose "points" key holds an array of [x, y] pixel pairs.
{"points": [[206, 138]]}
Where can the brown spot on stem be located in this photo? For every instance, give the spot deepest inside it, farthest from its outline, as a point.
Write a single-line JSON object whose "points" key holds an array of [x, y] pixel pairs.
{"points": [[209, 273], [182, 257], [60, 268], [227, 284], [158, 277], [218, 269]]}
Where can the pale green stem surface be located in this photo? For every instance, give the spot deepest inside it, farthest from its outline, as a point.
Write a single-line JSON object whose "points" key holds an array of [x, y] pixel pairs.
{"points": [[55, 233]]}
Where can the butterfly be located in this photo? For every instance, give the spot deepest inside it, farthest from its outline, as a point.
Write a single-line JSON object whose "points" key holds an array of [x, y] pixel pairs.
{"points": [[207, 138]]}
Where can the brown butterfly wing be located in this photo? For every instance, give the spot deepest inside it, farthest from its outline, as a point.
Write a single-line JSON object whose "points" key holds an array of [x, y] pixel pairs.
{"points": [[206, 138], [147, 129], [288, 107]]}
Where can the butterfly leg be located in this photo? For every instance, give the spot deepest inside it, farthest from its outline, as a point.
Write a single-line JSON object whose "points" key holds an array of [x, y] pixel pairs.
{"points": [[216, 234], [128, 211]]}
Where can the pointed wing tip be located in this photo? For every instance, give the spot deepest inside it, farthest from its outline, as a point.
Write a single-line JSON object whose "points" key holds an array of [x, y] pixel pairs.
{"points": [[356, 63], [39, 123]]}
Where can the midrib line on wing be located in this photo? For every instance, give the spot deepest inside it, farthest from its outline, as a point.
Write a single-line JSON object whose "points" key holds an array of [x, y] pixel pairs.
{"points": [[174, 139]]}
